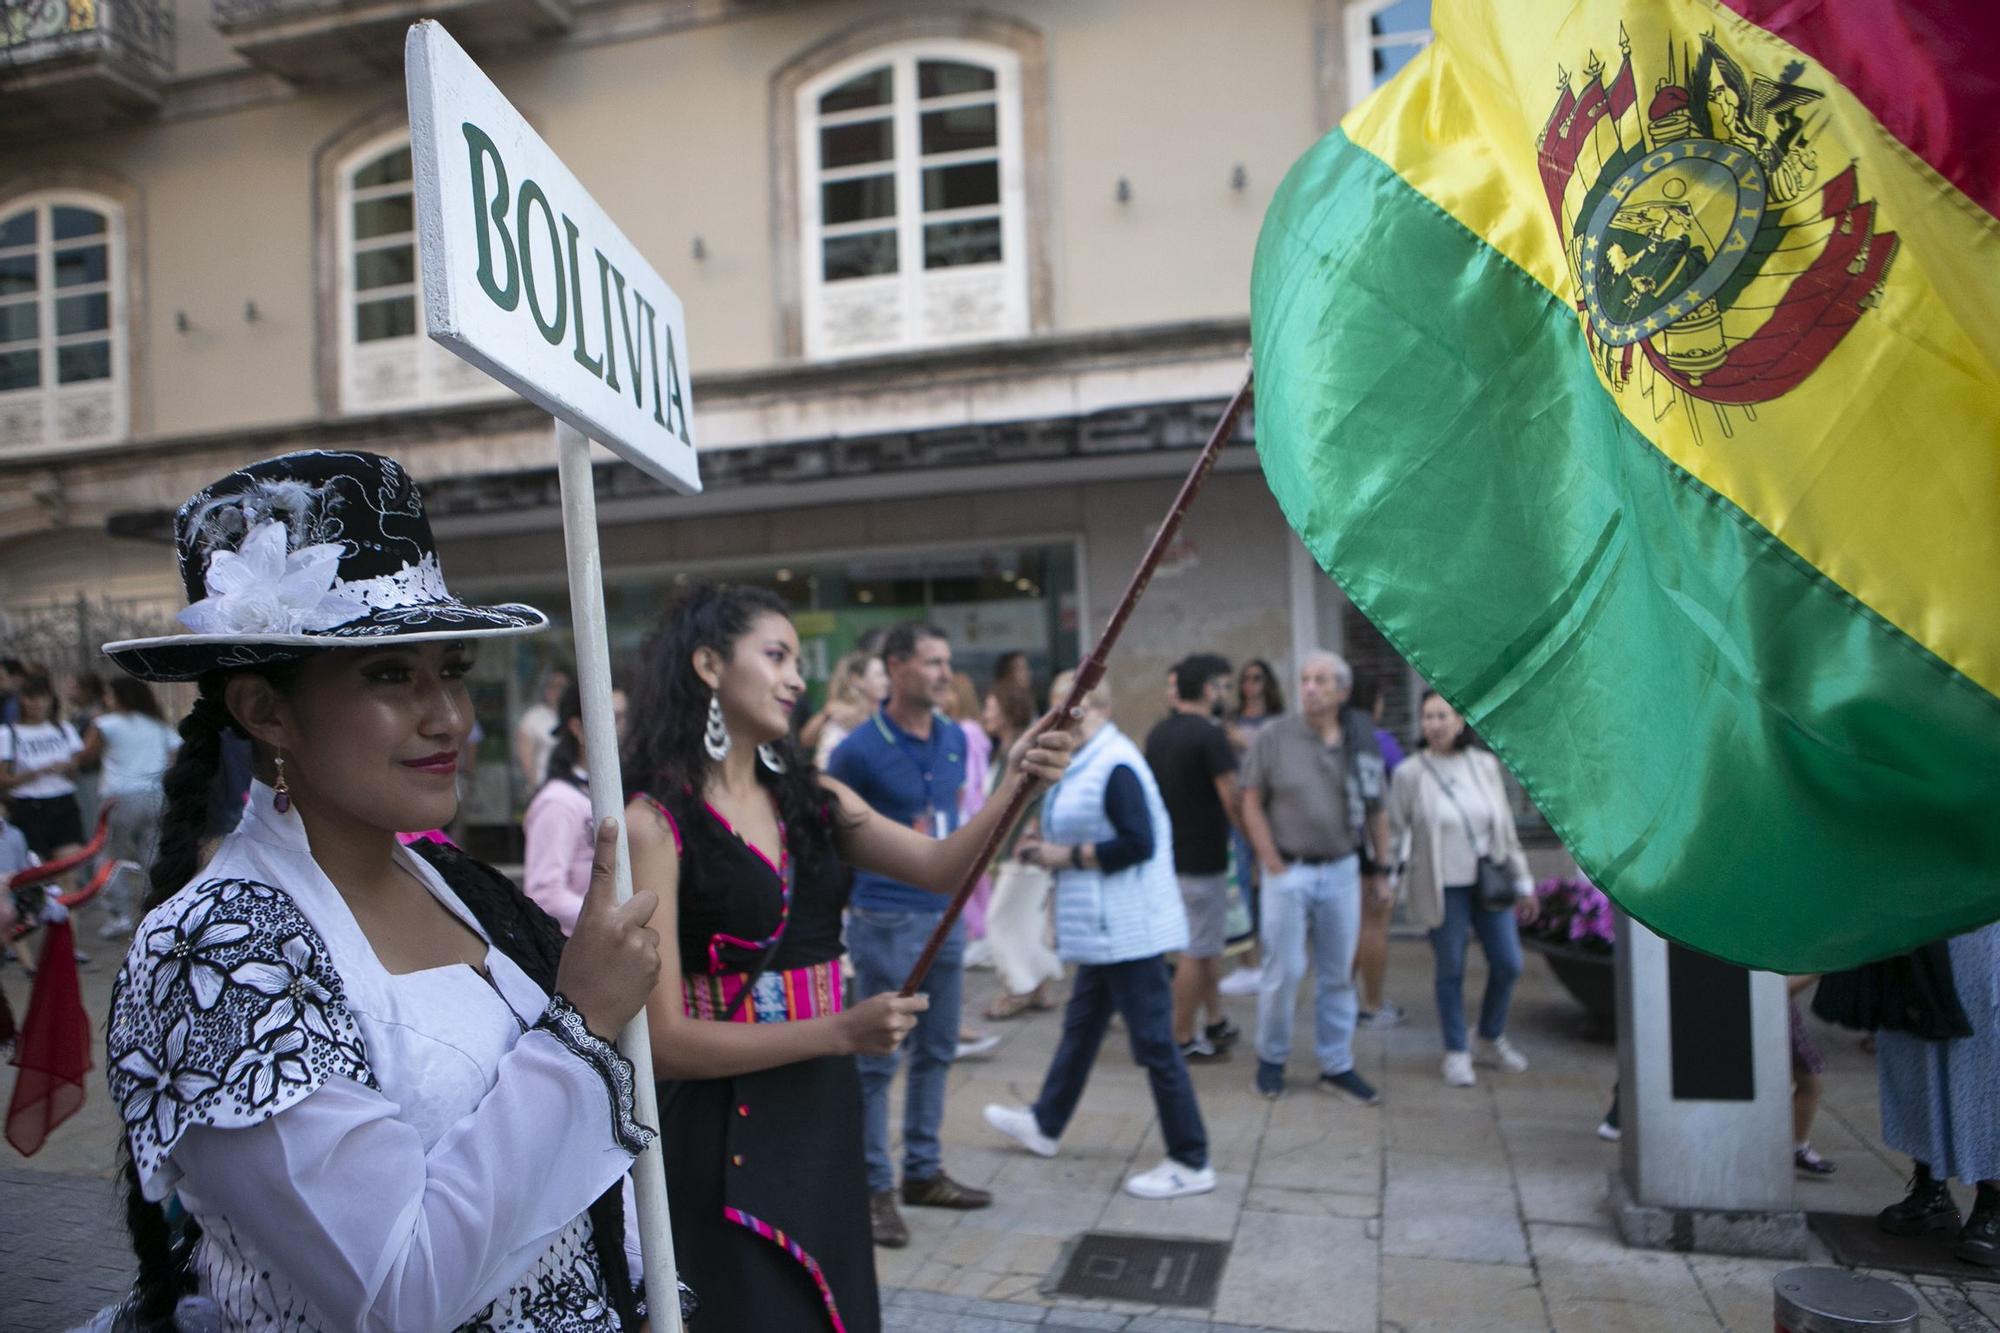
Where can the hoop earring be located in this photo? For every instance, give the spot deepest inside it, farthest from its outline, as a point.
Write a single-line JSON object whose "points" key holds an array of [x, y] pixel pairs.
{"points": [[767, 755], [715, 736], [281, 795]]}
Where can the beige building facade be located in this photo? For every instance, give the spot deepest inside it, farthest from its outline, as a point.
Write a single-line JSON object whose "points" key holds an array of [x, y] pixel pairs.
{"points": [[965, 287]]}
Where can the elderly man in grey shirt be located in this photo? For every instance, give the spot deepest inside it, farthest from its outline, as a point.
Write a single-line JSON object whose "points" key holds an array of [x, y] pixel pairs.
{"points": [[1312, 790]]}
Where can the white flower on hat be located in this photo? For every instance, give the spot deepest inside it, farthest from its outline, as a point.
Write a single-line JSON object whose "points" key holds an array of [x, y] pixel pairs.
{"points": [[260, 588]]}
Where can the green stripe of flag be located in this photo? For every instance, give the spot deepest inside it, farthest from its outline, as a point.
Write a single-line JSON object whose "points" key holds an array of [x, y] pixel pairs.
{"points": [[1746, 758]]}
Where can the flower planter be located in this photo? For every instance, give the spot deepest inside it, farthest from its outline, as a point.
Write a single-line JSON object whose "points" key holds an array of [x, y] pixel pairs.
{"points": [[1590, 977]]}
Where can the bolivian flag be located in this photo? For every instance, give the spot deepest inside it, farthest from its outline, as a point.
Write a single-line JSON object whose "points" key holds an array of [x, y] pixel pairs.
{"points": [[1635, 366]]}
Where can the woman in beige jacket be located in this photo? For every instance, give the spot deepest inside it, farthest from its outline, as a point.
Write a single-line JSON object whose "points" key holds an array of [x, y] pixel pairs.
{"points": [[1448, 808]]}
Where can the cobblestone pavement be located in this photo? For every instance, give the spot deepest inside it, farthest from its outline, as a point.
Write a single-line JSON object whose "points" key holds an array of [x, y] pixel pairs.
{"points": [[1444, 1209]]}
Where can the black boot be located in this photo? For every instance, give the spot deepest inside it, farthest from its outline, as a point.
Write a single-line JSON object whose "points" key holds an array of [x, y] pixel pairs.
{"points": [[1979, 1239], [1927, 1207]]}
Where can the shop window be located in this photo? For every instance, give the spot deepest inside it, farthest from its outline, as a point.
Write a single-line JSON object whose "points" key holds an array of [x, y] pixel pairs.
{"points": [[1382, 37], [63, 338], [911, 200], [387, 361]]}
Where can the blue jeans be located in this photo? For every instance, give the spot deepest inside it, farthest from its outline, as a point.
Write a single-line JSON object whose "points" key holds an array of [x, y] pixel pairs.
{"points": [[884, 946], [1142, 993], [1501, 943], [1318, 906]]}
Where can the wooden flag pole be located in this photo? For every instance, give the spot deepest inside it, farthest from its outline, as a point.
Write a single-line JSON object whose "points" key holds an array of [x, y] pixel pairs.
{"points": [[1088, 673], [607, 801]]}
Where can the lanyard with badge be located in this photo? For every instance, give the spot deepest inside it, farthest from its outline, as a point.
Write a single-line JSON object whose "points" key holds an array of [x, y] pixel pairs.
{"points": [[930, 821]]}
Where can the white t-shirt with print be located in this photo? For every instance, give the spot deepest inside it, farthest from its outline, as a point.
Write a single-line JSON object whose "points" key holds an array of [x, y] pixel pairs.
{"points": [[137, 750], [32, 745]]}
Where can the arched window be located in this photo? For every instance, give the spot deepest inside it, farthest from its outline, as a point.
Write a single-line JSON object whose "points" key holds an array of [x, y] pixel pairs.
{"points": [[1382, 37], [386, 360], [63, 351], [911, 194]]}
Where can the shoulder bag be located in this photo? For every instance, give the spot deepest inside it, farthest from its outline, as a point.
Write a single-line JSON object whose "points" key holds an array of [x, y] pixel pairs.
{"points": [[1492, 887]]}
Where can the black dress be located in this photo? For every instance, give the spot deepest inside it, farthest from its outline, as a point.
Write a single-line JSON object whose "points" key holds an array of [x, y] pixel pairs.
{"points": [[765, 1174]]}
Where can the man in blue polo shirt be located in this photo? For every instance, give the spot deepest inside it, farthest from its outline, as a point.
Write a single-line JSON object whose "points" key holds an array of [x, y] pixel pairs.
{"points": [[908, 762]]}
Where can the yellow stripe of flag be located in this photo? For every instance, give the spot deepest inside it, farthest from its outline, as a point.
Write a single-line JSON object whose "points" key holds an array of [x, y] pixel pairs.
{"points": [[1881, 466]]}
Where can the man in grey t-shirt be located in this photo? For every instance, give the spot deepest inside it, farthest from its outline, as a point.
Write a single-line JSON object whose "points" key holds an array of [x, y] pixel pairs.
{"points": [[1312, 791]]}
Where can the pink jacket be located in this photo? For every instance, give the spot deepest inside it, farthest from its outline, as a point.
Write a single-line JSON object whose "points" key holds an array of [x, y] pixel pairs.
{"points": [[557, 870]]}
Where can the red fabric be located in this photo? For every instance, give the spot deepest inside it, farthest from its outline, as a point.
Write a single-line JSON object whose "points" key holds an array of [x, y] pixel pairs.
{"points": [[54, 1051], [1929, 70]]}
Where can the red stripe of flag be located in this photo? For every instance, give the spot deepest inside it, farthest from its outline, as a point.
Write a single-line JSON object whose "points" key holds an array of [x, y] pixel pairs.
{"points": [[1929, 70]]}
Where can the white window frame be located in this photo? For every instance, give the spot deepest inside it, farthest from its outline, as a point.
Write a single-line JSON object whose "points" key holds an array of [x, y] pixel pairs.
{"points": [[1363, 43], [905, 291], [48, 397], [439, 378]]}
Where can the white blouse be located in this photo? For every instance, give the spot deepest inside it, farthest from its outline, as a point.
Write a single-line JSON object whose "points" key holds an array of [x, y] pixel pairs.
{"points": [[1467, 821], [361, 1149]]}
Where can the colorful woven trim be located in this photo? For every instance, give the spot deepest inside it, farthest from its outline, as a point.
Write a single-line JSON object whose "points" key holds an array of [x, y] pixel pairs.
{"points": [[798, 1252], [783, 870], [778, 997]]}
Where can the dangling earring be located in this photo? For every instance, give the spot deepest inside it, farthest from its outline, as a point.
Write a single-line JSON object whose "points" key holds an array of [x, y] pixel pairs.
{"points": [[715, 737], [767, 754], [281, 795]]}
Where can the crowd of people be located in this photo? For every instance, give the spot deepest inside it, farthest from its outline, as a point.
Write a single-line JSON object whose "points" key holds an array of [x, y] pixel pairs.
{"points": [[314, 980]]}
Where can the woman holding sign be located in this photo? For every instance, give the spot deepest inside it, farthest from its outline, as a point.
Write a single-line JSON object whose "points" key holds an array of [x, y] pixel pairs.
{"points": [[359, 1090], [748, 847]]}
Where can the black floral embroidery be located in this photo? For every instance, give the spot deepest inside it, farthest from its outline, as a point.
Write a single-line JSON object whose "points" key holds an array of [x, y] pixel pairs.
{"points": [[186, 951], [299, 997], [260, 1022], [162, 1086], [563, 1293], [271, 1066], [561, 1021], [226, 1011]]}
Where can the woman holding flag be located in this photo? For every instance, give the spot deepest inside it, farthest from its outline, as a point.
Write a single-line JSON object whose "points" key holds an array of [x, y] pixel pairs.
{"points": [[359, 1089], [747, 847]]}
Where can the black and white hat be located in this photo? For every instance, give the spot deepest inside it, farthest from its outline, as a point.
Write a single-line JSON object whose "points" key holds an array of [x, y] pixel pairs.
{"points": [[306, 551]]}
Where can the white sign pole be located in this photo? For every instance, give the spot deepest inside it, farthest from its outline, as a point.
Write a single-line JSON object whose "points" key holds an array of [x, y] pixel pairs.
{"points": [[528, 279], [607, 801]]}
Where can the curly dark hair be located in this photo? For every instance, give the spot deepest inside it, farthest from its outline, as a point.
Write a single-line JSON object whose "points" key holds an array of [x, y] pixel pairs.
{"points": [[663, 754]]}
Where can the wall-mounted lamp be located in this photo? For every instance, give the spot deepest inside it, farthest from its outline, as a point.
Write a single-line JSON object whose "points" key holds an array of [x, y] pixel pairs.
{"points": [[700, 250], [1239, 179], [181, 322], [1123, 194], [250, 312]]}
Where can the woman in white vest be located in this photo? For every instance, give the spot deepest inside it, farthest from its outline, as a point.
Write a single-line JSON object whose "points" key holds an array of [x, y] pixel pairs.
{"points": [[1106, 835], [1448, 809]]}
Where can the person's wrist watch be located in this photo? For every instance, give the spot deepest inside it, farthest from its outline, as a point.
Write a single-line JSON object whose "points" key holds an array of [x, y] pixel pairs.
{"points": [[1076, 856]]}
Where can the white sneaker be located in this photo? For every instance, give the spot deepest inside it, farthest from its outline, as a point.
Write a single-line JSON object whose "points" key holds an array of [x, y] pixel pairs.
{"points": [[977, 1047], [1388, 1016], [1500, 1053], [1458, 1070], [1018, 1124], [1170, 1180], [1243, 981], [116, 928]]}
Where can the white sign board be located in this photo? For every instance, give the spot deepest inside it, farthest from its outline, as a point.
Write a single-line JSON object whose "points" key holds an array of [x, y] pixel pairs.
{"points": [[528, 279]]}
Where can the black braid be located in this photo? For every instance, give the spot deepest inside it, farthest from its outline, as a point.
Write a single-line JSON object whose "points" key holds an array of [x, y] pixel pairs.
{"points": [[187, 785], [163, 1250]]}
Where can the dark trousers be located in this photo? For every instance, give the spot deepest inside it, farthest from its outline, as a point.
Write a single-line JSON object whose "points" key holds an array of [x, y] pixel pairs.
{"points": [[1140, 992]]}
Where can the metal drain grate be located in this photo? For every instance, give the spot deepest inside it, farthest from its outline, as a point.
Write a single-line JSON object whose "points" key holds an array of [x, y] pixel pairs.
{"points": [[1148, 1270]]}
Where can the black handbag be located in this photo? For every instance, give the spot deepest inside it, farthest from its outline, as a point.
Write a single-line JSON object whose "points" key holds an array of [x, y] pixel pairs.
{"points": [[1492, 887]]}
